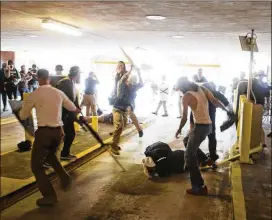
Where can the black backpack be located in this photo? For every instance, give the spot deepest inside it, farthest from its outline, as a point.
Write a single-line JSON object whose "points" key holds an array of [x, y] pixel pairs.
{"points": [[158, 150]]}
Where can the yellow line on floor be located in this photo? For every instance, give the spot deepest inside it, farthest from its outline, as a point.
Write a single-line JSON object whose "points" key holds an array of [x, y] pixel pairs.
{"points": [[8, 120], [239, 208]]}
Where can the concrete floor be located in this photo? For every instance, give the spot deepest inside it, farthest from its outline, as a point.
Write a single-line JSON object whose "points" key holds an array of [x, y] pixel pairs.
{"points": [[102, 191]]}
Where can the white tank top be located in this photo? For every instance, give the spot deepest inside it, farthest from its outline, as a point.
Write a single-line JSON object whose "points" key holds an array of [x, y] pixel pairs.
{"points": [[201, 113]]}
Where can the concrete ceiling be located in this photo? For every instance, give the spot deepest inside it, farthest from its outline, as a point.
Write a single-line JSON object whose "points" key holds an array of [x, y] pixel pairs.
{"points": [[205, 25]]}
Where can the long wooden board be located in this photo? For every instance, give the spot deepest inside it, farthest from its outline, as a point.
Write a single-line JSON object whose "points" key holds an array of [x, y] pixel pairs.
{"points": [[28, 124]]}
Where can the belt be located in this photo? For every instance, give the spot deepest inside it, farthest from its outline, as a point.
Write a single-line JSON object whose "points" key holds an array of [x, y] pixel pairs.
{"points": [[43, 127]]}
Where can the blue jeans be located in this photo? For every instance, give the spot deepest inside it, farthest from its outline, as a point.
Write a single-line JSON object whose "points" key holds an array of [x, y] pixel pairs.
{"points": [[196, 137]]}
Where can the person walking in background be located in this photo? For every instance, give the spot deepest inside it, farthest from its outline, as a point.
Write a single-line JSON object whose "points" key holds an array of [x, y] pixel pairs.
{"points": [[2, 86], [59, 70], [12, 79], [23, 84], [55, 78], [89, 98], [199, 78], [48, 102], [164, 93], [133, 88], [67, 85], [33, 83]]}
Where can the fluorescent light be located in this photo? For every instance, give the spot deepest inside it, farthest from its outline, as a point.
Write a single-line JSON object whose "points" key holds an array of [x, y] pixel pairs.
{"points": [[33, 36], [60, 27], [155, 17], [177, 36]]}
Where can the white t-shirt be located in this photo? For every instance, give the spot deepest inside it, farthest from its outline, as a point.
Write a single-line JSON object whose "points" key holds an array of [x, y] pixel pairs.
{"points": [[164, 91]]}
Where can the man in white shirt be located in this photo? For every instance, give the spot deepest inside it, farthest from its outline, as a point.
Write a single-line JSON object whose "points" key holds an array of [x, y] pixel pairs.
{"points": [[48, 103], [164, 93]]}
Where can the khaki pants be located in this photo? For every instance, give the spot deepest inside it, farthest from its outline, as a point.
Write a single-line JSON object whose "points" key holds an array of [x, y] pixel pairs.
{"points": [[134, 119], [47, 141], [90, 102], [119, 123]]}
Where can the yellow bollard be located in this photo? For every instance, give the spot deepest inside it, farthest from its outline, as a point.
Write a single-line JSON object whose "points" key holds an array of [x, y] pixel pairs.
{"points": [[28, 137], [95, 123], [76, 126], [235, 97], [245, 131]]}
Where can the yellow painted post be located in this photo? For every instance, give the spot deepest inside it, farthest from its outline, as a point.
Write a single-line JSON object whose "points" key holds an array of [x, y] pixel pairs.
{"points": [[95, 123], [241, 100], [245, 131], [235, 97], [28, 137], [77, 126]]}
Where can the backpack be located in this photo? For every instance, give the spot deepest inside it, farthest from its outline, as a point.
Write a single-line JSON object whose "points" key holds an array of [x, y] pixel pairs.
{"points": [[158, 150]]}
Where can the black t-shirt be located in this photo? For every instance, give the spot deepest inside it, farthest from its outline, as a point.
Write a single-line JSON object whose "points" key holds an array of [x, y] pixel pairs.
{"points": [[90, 86], [33, 80]]}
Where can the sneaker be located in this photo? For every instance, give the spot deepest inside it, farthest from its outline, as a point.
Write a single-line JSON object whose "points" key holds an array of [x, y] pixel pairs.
{"points": [[46, 165], [209, 162], [215, 158], [154, 113], [114, 150], [202, 191], [141, 133], [46, 201], [165, 115], [69, 157]]}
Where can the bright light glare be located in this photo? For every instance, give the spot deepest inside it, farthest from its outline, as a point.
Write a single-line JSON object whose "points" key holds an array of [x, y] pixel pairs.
{"points": [[62, 28], [177, 36], [155, 17], [264, 80]]}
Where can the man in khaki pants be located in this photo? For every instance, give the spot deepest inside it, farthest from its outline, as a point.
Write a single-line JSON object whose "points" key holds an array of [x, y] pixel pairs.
{"points": [[48, 103], [89, 98], [120, 110]]}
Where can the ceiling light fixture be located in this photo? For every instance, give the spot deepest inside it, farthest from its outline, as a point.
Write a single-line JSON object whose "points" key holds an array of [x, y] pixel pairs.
{"points": [[155, 17], [60, 27], [177, 36], [33, 36]]}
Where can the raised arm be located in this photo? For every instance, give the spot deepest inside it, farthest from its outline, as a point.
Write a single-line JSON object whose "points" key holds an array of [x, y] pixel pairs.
{"points": [[185, 102]]}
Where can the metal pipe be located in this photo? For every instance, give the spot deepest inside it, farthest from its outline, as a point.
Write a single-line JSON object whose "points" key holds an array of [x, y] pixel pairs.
{"points": [[249, 86]]}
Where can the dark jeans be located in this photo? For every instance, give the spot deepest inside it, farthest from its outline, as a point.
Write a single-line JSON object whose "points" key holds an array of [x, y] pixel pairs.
{"points": [[69, 135], [4, 98], [212, 137], [201, 156], [11, 91], [196, 137], [22, 91], [33, 87]]}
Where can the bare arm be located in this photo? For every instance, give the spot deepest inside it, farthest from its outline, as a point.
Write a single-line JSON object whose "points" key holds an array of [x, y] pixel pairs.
{"points": [[96, 79], [141, 82], [185, 102]]}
